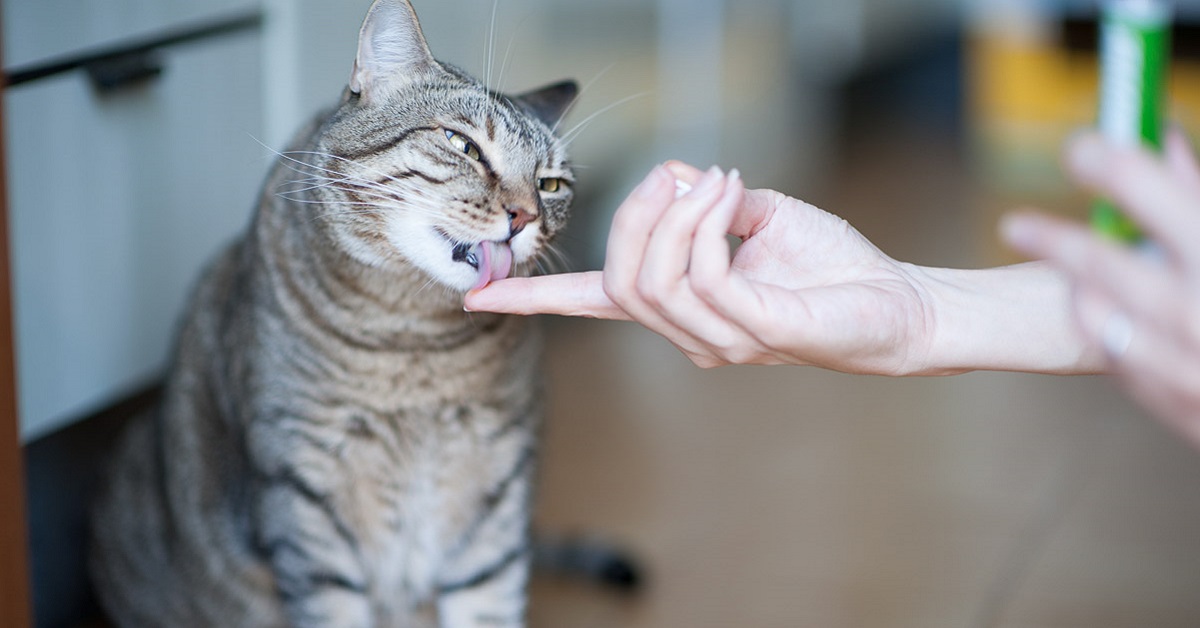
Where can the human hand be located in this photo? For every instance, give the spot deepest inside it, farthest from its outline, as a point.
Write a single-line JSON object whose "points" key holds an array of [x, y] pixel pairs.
{"points": [[1144, 310], [803, 287]]}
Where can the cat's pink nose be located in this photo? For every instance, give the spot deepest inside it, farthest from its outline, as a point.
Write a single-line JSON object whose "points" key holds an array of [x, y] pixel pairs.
{"points": [[517, 219]]}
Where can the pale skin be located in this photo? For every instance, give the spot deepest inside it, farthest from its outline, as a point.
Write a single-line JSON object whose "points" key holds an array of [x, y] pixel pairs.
{"points": [[1158, 297], [804, 287]]}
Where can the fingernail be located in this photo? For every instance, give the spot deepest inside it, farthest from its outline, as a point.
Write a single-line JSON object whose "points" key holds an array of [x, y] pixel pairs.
{"points": [[708, 182], [735, 174], [470, 293], [650, 184]]}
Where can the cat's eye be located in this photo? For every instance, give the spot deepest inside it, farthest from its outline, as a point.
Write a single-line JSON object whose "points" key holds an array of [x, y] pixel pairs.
{"points": [[457, 140], [551, 184]]}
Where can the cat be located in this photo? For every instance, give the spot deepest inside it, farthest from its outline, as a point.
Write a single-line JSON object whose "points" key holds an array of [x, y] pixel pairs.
{"points": [[338, 442]]}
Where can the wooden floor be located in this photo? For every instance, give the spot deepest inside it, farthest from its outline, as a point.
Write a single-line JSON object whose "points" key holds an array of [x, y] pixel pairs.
{"points": [[793, 497]]}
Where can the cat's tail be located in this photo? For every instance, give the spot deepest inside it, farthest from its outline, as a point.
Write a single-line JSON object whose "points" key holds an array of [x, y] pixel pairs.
{"points": [[587, 558]]}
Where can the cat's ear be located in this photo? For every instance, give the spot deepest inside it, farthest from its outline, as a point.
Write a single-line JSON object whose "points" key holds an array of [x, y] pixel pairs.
{"points": [[550, 103], [391, 50]]}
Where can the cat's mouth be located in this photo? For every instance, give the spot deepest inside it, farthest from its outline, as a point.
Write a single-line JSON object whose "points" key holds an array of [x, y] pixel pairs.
{"points": [[491, 260]]}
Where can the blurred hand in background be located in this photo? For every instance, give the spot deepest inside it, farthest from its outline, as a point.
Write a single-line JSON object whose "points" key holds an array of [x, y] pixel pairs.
{"points": [[1142, 308]]}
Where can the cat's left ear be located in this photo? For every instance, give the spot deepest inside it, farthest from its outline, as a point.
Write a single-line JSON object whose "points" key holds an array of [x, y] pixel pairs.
{"points": [[391, 50], [550, 103]]}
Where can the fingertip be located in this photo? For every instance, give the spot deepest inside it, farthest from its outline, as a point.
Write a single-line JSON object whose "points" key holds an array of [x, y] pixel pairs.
{"points": [[1176, 132], [472, 302], [682, 171], [1015, 230], [500, 296], [655, 180], [709, 181], [1017, 234], [1086, 155], [734, 186], [1024, 230], [1176, 141], [1180, 152], [708, 186]]}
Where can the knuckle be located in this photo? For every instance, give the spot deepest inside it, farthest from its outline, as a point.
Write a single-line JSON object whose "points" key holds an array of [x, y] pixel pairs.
{"points": [[650, 290], [705, 286], [618, 290], [704, 361], [740, 355], [772, 338], [732, 348]]}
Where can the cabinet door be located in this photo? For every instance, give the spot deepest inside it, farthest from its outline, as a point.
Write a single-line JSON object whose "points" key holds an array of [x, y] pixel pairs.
{"points": [[36, 30], [117, 201]]}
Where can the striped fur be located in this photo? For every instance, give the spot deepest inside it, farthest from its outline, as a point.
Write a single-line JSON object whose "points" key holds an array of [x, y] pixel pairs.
{"points": [[339, 444]]}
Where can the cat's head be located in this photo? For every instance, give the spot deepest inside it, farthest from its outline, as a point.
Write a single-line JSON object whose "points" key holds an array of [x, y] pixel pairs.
{"points": [[427, 165]]}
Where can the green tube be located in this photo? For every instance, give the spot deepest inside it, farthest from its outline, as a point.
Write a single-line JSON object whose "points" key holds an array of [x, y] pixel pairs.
{"points": [[1134, 58]]}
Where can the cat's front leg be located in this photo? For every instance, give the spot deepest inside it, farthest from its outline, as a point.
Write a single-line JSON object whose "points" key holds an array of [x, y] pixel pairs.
{"points": [[486, 575], [314, 556], [495, 596]]}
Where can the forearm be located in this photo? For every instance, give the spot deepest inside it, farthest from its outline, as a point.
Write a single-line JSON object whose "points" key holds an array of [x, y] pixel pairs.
{"points": [[1013, 318]]}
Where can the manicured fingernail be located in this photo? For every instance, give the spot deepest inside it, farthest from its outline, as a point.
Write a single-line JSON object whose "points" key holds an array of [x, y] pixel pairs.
{"points": [[650, 184], [708, 182], [470, 294]]}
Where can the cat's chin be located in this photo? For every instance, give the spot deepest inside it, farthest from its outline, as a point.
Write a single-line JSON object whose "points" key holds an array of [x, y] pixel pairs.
{"points": [[491, 260], [456, 265], [461, 267]]}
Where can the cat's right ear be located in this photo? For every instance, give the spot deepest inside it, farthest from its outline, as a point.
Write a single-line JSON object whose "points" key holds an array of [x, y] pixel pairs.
{"points": [[391, 50]]}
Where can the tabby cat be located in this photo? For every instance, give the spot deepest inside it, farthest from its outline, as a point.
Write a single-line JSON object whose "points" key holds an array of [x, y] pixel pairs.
{"points": [[338, 443]]}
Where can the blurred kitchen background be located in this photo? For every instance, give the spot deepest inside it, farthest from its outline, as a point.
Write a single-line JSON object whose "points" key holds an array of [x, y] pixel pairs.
{"points": [[138, 131]]}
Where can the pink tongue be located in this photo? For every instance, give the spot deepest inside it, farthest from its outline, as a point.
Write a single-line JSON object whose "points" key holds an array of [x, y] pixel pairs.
{"points": [[495, 262]]}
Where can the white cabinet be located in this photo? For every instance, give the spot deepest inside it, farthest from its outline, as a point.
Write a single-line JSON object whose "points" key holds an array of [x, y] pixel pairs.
{"points": [[37, 30], [118, 199]]}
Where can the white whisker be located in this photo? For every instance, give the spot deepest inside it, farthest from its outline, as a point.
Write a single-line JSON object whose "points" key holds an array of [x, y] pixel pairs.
{"points": [[334, 215], [551, 260], [308, 201], [341, 181], [359, 180], [491, 45], [508, 50], [430, 282], [570, 136], [309, 184], [491, 54], [391, 201], [582, 90]]}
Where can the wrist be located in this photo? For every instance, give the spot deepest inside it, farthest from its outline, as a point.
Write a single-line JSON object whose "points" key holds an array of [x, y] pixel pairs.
{"points": [[1013, 318]]}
